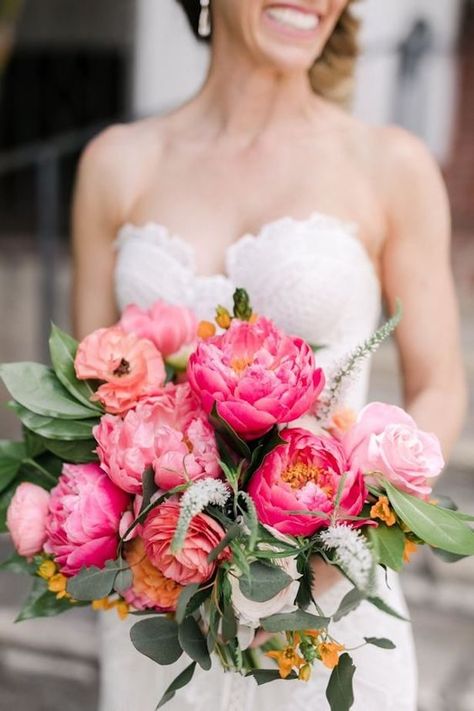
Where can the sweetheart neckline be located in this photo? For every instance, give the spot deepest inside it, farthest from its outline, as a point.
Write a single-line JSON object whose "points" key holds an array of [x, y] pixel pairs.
{"points": [[349, 228]]}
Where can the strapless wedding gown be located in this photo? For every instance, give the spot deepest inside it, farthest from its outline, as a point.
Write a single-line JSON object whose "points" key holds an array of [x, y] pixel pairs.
{"points": [[315, 279]]}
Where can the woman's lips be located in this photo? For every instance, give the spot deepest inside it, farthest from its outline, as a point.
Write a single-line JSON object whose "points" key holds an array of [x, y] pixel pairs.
{"points": [[292, 20]]}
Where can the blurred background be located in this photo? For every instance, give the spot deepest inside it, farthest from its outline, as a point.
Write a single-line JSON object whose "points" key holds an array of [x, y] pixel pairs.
{"points": [[70, 67]]}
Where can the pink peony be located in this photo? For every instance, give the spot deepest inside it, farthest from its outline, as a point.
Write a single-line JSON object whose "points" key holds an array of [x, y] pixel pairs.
{"points": [[84, 519], [26, 519], [304, 474], [132, 367], [386, 439], [190, 565], [170, 433], [168, 327], [257, 375]]}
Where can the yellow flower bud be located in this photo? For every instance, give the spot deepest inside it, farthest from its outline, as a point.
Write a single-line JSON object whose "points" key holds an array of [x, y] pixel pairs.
{"points": [[57, 583], [223, 317], [47, 569], [206, 329], [122, 609], [304, 673], [102, 604]]}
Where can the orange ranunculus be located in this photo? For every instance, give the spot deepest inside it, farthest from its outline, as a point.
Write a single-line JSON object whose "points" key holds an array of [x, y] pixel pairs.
{"points": [[132, 368], [329, 653], [150, 588], [382, 510]]}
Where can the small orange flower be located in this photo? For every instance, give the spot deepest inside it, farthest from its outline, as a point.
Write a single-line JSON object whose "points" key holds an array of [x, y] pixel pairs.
{"points": [[57, 584], [304, 673], [383, 511], [102, 604], [286, 659], [122, 609], [206, 329], [150, 588], [329, 653], [409, 549], [223, 317], [342, 421]]}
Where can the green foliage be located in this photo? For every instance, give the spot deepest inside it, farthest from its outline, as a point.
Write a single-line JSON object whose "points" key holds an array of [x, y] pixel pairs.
{"points": [[42, 603], [11, 456], [179, 683], [184, 600], [265, 676], [436, 526], [382, 605], [95, 583], [228, 435], [263, 581], [388, 543], [349, 603], [63, 348], [37, 388], [380, 642], [55, 428], [339, 692], [157, 638], [18, 564], [294, 622], [193, 642]]}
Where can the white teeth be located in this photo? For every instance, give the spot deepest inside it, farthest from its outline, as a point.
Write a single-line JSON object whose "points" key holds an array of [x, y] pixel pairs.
{"points": [[293, 18]]}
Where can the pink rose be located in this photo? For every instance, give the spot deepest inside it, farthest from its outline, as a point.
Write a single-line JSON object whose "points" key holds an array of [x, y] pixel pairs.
{"points": [[84, 519], [26, 519], [386, 439], [257, 375], [304, 475], [132, 367], [168, 327], [169, 433], [190, 564]]}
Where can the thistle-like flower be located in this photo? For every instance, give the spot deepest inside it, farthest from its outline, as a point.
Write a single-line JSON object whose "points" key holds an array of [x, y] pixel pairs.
{"points": [[194, 501], [352, 554]]}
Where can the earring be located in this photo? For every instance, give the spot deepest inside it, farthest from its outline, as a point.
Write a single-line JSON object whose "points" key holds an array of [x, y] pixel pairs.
{"points": [[204, 29]]}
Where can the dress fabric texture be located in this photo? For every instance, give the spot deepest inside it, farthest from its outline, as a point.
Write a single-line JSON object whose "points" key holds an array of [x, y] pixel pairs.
{"points": [[315, 279]]}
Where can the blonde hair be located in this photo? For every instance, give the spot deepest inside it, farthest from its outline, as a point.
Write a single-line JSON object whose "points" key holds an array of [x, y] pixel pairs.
{"points": [[332, 75]]}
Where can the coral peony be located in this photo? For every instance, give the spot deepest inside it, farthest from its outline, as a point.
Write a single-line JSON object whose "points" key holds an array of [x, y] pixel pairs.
{"points": [[26, 518], [170, 433], [131, 367], [84, 518], [257, 375], [304, 475], [150, 588], [386, 439], [168, 327], [190, 564]]}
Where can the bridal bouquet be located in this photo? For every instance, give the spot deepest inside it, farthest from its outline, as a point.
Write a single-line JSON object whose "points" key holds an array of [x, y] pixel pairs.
{"points": [[163, 473]]}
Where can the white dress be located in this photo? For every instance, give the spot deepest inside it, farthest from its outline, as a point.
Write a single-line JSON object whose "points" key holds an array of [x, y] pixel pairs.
{"points": [[315, 279]]}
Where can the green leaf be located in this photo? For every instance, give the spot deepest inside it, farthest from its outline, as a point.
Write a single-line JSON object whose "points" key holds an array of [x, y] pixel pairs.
{"points": [[381, 642], [157, 638], [265, 446], [436, 526], [250, 518], [180, 682], [349, 602], [92, 583], [42, 603], [55, 428], [124, 579], [80, 452], [265, 676], [382, 605], [339, 692], [33, 443], [37, 388], [63, 348], [184, 598], [149, 487], [5, 500], [232, 533], [193, 642], [388, 543], [447, 557], [229, 435], [294, 622], [229, 623], [263, 582], [305, 590], [11, 457], [18, 564]]}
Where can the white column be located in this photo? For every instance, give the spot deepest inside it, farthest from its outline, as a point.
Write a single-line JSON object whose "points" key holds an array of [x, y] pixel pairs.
{"points": [[169, 63]]}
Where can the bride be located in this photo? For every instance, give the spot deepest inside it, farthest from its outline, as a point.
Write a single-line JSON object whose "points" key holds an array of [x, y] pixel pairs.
{"points": [[264, 181]]}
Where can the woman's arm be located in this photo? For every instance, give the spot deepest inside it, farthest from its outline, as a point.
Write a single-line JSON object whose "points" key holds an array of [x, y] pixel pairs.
{"points": [[95, 220], [416, 267]]}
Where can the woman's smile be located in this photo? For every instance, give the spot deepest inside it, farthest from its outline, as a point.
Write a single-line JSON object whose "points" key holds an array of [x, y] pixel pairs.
{"points": [[292, 20]]}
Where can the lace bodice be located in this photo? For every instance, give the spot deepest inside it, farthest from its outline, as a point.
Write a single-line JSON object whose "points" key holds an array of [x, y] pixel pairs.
{"points": [[313, 277]]}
